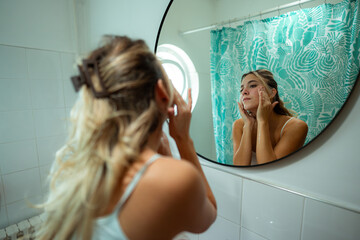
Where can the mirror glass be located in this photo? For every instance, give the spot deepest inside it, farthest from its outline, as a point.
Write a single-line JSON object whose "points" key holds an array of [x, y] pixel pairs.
{"points": [[192, 27]]}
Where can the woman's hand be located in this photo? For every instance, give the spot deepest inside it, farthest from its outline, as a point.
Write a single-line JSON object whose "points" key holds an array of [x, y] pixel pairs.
{"points": [[265, 106], [248, 119], [179, 125]]}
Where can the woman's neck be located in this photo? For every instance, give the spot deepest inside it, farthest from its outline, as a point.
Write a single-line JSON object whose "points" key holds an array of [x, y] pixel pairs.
{"points": [[153, 141]]}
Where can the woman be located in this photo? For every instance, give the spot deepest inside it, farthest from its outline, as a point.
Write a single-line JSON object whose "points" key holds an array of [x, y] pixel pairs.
{"points": [[267, 130], [109, 180]]}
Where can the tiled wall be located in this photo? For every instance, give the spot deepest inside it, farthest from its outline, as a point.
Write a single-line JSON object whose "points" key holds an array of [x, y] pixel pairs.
{"points": [[37, 52], [35, 99], [249, 210]]}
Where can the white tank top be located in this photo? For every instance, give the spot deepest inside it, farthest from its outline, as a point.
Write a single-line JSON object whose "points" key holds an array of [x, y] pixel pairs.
{"points": [[108, 227], [282, 129]]}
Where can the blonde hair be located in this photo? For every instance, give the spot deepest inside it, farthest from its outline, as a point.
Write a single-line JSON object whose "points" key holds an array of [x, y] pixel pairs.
{"points": [[267, 78], [107, 135]]}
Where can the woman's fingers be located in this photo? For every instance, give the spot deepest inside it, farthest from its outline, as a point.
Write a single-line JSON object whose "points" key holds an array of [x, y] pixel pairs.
{"points": [[263, 96], [240, 108], [180, 102], [179, 122], [189, 99]]}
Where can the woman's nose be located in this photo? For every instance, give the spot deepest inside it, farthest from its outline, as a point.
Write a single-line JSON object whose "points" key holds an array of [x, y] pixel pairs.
{"points": [[245, 92]]}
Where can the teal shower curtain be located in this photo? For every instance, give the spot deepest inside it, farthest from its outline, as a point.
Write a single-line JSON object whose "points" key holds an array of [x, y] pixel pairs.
{"points": [[313, 54]]}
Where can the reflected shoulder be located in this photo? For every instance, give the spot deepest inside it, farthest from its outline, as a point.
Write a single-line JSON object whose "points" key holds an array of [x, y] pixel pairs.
{"points": [[298, 126], [300, 123], [238, 123]]}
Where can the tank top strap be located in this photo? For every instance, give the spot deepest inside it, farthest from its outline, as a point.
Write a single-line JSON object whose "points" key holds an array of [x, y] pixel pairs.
{"points": [[130, 188], [282, 129]]}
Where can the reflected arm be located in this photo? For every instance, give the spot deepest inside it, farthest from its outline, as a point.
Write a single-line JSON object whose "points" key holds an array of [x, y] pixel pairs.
{"points": [[292, 139], [264, 149], [242, 146]]}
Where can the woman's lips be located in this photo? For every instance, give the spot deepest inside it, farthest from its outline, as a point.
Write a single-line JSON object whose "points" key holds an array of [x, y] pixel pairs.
{"points": [[245, 99]]}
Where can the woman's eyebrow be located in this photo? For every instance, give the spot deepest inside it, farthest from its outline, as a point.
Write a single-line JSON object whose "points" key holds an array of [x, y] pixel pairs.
{"points": [[252, 81], [249, 82]]}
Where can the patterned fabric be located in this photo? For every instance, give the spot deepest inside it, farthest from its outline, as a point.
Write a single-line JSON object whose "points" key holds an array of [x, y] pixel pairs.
{"points": [[313, 54]]}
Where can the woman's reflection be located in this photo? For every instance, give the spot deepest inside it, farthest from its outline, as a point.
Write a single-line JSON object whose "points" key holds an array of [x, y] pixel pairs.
{"points": [[267, 130]]}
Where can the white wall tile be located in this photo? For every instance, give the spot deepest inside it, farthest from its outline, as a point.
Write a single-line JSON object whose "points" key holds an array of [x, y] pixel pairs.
{"points": [[221, 229], [69, 93], [2, 196], [270, 212], [17, 125], [47, 148], [44, 173], [248, 235], [227, 189], [47, 93], [23, 209], [50, 122], [4, 221], [23, 184], [12, 62], [43, 64], [69, 69], [17, 156], [15, 94], [326, 222], [38, 24]]}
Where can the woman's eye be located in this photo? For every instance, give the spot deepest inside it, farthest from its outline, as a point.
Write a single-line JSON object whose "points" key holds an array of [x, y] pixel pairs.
{"points": [[253, 86]]}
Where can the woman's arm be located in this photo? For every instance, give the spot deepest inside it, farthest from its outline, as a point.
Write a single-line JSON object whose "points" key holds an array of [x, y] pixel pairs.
{"points": [[264, 149], [241, 135], [179, 126], [242, 147], [291, 140]]}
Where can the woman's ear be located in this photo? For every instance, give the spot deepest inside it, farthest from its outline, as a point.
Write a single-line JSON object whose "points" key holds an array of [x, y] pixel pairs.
{"points": [[161, 95], [273, 93]]}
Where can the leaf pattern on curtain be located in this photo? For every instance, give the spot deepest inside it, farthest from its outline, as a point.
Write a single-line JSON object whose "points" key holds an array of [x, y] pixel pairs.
{"points": [[313, 54]]}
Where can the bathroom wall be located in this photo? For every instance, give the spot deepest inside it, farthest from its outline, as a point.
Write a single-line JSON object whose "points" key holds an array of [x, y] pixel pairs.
{"points": [[313, 194], [38, 46]]}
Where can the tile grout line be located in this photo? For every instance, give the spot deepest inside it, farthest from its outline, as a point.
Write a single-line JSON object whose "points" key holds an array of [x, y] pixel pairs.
{"points": [[286, 190]]}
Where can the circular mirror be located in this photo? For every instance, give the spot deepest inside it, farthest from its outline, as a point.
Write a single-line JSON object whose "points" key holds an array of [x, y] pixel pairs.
{"points": [[311, 49]]}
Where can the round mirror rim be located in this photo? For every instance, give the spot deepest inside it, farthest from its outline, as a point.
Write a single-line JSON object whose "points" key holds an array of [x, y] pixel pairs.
{"points": [[228, 165]]}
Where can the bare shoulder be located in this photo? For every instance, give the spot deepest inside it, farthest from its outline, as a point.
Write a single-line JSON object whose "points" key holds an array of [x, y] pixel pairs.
{"points": [[168, 194], [298, 124], [168, 175], [172, 192], [238, 124], [296, 129]]}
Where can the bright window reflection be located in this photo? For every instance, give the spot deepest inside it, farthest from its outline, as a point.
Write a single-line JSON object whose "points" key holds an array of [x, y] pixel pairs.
{"points": [[180, 69], [175, 72]]}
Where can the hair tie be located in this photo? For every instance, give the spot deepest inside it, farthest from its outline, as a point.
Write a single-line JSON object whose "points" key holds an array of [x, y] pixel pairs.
{"points": [[88, 68], [79, 80]]}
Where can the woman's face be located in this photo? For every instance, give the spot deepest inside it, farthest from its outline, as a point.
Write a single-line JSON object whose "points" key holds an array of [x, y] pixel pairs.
{"points": [[249, 92]]}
